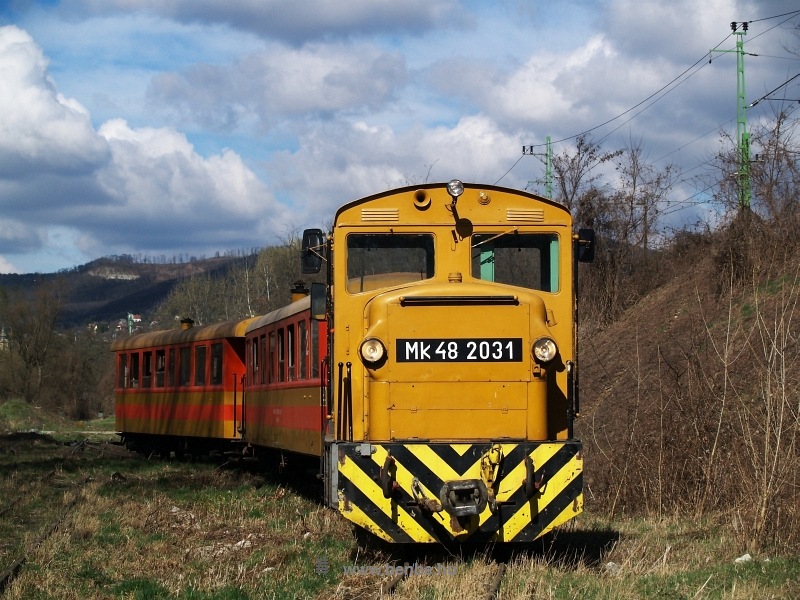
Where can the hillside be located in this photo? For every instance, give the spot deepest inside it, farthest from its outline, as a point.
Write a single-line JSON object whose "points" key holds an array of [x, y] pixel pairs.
{"points": [[689, 399], [109, 288]]}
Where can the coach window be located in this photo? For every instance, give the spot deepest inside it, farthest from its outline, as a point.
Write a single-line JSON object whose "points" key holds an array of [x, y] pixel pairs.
{"points": [[314, 350], [290, 352], [186, 365], [521, 259], [385, 260], [263, 353], [272, 356], [254, 364], [147, 369], [135, 370], [281, 356], [122, 374], [200, 365], [171, 367], [216, 364], [160, 366], [302, 336]]}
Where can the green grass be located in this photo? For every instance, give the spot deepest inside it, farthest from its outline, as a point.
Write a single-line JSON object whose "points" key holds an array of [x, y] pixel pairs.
{"points": [[226, 593], [717, 581], [16, 415], [748, 311], [19, 416], [140, 589]]}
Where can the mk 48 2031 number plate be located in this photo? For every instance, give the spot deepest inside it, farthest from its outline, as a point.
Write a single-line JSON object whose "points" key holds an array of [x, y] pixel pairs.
{"points": [[459, 350]]}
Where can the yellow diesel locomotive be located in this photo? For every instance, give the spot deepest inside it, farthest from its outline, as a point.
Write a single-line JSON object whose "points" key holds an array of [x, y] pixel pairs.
{"points": [[451, 375]]}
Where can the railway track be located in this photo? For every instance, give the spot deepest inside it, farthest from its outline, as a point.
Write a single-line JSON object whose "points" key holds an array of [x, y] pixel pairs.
{"points": [[7, 576], [44, 480], [494, 586], [394, 583]]}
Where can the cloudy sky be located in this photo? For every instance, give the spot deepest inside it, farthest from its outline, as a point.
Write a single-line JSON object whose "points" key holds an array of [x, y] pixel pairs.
{"points": [[187, 127]]}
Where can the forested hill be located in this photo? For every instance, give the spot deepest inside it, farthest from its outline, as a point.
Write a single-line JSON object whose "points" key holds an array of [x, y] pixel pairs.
{"points": [[109, 288]]}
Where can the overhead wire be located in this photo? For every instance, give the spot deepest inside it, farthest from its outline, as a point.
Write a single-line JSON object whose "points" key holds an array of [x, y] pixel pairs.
{"points": [[792, 13], [654, 94], [672, 89], [682, 204], [699, 137], [509, 169], [657, 95], [703, 58], [622, 114], [752, 104]]}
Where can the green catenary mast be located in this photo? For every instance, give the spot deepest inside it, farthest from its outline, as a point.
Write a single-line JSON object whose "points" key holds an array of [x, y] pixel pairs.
{"points": [[548, 165], [742, 136]]}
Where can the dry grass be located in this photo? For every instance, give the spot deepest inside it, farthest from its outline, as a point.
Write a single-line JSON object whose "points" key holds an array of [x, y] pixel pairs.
{"points": [[145, 529], [207, 531]]}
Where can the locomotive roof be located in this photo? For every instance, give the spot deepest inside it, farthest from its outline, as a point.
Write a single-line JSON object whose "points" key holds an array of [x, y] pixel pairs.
{"points": [[552, 205]]}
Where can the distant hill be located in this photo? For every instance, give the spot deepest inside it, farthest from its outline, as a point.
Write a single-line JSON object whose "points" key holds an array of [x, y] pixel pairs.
{"points": [[109, 288]]}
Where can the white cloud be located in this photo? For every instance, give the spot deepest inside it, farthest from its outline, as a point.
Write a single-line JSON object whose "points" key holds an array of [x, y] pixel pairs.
{"points": [[156, 175], [683, 29], [7, 267], [119, 188], [358, 159], [550, 86], [281, 82], [39, 128], [292, 22], [17, 236]]}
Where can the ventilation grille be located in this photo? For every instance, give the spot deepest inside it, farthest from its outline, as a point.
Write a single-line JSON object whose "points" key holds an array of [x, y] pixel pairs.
{"points": [[525, 215], [380, 214]]}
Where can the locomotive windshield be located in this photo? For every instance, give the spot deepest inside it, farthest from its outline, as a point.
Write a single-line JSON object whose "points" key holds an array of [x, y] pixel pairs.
{"points": [[522, 259], [384, 260]]}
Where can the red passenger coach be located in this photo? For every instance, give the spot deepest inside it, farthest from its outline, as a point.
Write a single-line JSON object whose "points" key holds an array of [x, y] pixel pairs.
{"points": [[283, 405], [181, 389]]}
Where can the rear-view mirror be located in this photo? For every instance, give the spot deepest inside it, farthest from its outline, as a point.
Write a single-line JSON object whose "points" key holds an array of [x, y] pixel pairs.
{"points": [[312, 251]]}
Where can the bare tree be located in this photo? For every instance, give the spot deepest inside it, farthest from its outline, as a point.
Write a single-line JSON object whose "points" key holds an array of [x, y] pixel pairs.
{"points": [[775, 172], [772, 217], [278, 267], [624, 219], [576, 181], [30, 324], [635, 206]]}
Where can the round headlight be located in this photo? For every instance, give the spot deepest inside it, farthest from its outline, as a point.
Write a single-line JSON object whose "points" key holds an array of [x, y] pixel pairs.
{"points": [[545, 349], [372, 351], [455, 188]]}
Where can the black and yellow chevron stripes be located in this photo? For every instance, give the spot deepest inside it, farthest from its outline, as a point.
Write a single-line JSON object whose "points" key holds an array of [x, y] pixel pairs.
{"points": [[558, 465]]}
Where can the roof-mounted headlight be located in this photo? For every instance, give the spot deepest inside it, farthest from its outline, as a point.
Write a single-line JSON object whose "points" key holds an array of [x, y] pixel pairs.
{"points": [[373, 352], [544, 349], [455, 188]]}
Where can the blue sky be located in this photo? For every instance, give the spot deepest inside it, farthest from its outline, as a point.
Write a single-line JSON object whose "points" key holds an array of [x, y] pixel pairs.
{"points": [[187, 127]]}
